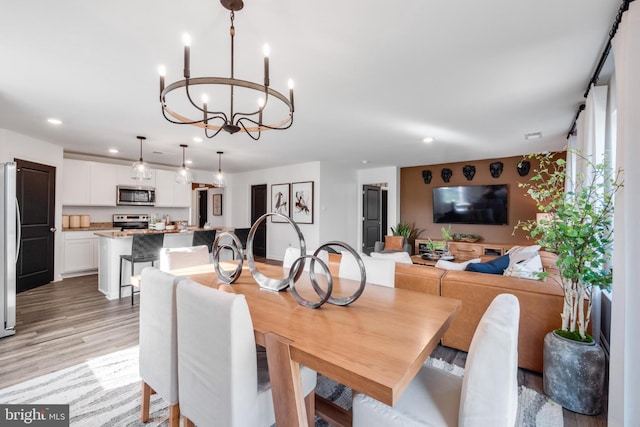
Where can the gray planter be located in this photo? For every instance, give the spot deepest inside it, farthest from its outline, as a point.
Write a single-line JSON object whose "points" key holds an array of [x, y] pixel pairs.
{"points": [[573, 374]]}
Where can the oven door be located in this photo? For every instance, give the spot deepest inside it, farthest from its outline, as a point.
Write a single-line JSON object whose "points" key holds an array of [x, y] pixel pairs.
{"points": [[139, 196]]}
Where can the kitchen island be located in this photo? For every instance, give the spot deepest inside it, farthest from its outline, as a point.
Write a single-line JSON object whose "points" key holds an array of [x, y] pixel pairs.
{"points": [[112, 244]]}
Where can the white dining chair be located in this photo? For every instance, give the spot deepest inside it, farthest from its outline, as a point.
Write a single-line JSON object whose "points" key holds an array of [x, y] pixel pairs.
{"points": [[487, 395], [158, 357], [172, 258], [291, 254], [222, 380], [379, 271]]}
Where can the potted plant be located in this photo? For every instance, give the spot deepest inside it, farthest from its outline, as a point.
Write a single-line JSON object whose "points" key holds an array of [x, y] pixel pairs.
{"points": [[409, 232], [578, 227]]}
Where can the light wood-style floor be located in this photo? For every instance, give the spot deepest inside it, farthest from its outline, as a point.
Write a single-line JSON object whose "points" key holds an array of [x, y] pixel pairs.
{"points": [[62, 324]]}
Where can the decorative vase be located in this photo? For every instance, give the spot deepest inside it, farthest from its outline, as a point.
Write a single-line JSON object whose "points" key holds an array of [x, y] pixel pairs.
{"points": [[574, 373]]}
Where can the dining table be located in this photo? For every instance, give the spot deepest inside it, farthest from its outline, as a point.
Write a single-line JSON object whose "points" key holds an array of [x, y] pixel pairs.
{"points": [[375, 345]]}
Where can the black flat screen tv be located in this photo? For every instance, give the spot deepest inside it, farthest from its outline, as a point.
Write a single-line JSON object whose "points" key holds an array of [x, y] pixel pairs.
{"points": [[470, 204]]}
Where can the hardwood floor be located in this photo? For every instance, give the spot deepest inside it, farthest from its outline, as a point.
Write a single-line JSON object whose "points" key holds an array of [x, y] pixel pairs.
{"points": [[62, 324]]}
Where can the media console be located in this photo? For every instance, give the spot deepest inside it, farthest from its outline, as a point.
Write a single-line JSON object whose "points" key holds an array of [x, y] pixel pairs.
{"points": [[463, 251]]}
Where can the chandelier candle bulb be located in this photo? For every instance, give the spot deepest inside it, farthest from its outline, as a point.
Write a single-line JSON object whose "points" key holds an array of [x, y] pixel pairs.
{"points": [[162, 71], [291, 94], [265, 50], [187, 43]]}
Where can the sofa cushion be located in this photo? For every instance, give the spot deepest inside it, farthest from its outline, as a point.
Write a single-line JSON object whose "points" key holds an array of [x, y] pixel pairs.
{"points": [[449, 265], [393, 243], [495, 266], [526, 269]]}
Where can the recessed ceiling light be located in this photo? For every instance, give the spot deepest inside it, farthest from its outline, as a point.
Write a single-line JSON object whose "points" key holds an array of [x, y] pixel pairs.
{"points": [[55, 121], [197, 139], [533, 135], [188, 162], [113, 150], [428, 139], [364, 162]]}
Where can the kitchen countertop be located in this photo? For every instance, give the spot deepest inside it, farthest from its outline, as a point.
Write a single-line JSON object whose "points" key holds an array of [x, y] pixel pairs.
{"points": [[128, 233], [93, 226]]}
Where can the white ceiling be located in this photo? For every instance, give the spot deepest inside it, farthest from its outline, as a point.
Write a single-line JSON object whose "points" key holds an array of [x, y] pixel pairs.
{"points": [[372, 78]]}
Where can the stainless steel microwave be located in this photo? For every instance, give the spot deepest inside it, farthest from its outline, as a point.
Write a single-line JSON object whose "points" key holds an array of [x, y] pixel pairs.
{"points": [[138, 196]]}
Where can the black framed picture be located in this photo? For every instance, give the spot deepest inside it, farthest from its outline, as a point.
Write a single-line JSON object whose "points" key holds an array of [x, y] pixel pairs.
{"points": [[217, 204], [280, 201], [302, 209]]}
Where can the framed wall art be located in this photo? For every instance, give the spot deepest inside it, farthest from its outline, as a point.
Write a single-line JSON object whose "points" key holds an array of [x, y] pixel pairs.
{"points": [[217, 204], [280, 201], [302, 202]]}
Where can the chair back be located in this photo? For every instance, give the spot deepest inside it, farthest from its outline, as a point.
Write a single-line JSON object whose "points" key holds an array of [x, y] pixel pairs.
{"points": [[490, 385], [172, 258], [204, 237], [216, 357], [379, 271], [291, 254], [243, 235], [158, 333], [146, 247]]}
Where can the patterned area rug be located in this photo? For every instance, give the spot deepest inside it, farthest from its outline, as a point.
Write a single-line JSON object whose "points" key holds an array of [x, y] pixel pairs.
{"points": [[105, 391]]}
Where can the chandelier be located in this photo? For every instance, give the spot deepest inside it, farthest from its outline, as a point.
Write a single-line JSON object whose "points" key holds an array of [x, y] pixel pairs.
{"points": [[213, 120]]}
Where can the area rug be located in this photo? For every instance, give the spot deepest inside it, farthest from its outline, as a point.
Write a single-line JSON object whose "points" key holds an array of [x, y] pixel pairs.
{"points": [[105, 391]]}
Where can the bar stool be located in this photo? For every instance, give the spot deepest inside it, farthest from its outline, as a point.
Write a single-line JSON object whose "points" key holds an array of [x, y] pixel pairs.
{"points": [[204, 237], [144, 248]]}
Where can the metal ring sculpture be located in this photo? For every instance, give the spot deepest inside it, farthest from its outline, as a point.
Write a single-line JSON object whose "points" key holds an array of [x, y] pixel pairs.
{"points": [[363, 274], [261, 279], [236, 247], [324, 296]]}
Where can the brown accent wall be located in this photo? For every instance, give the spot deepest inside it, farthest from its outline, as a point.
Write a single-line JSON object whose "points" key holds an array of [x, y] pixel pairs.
{"points": [[416, 199]]}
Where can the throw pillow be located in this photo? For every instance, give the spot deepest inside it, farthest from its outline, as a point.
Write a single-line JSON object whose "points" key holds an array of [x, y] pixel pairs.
{"points": [[393, 243], [527, 269], [495, 266], [448, 265]]}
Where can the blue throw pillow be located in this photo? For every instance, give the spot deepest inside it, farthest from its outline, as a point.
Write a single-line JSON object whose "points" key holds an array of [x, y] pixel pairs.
{"points": [[495, 266]]}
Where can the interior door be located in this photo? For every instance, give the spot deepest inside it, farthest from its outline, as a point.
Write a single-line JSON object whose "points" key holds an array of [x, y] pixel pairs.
{"points": [[202, 207], [259, 208], [371, 217], [35, 190]]}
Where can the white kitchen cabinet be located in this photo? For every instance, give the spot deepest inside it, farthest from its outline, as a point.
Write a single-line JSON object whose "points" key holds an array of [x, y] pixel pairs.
{"points": [[76, 182], [80, 252], [169, 193], [87, 183], [124, 178]]}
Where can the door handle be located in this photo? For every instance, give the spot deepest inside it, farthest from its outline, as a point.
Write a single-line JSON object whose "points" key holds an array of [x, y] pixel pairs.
{"points": [[52, 229]]}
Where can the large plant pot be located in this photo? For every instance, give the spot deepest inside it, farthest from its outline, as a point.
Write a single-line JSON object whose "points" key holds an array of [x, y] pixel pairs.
{"points": [[573, 374]]}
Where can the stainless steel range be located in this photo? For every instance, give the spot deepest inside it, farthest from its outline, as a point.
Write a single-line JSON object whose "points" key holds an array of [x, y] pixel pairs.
{"points": [[131, 221]]}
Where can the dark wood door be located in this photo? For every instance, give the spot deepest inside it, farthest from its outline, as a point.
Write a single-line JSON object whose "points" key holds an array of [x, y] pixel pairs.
{"points": [[259, 208], [371, 217], [36, 185], [202, 207]]}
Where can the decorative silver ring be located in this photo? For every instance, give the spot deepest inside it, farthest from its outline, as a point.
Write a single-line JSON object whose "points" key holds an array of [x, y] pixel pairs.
{"points": [[268, 282], [236, 248], [363, 273], [324, 296]]}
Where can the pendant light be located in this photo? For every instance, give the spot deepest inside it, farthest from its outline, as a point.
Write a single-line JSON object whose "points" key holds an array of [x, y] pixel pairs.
{"points": [[183, 174], [219, 180], [140, 170]]}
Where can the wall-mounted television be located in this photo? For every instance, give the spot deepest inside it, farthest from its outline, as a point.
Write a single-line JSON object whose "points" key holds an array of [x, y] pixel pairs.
{"points": [[470, 204]]}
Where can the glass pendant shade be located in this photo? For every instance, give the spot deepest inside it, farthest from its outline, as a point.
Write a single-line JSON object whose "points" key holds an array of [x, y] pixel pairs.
{"points": [[183, 174], [140, 170], [219, 180]]}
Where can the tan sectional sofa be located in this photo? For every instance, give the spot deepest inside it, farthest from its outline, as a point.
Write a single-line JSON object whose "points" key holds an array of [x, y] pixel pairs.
{"points": [[540, 302]]}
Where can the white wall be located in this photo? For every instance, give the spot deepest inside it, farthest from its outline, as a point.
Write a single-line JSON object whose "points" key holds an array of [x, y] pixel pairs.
{"points": [[389, 175], [338, 204], [14, 145]]}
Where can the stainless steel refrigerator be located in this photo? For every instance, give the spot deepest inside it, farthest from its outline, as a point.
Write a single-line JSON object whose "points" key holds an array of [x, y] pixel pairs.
{"points": [[9, 247]]}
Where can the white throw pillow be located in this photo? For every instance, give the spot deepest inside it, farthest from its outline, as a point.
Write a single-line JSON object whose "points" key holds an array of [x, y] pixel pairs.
{"points": [[401, 257], [528, 269], [449, 265]]}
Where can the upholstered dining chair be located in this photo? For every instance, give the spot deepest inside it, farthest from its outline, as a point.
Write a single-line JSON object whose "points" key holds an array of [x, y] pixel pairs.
{"points": [[379, 271], [172, 258], [204, 237], [222, 380], [291, 254], [158, 341], [487, 395]]}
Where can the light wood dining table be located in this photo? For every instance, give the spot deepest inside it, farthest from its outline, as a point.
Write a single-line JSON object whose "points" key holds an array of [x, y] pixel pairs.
{"points": [[376, 345]]}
